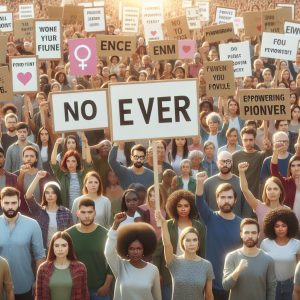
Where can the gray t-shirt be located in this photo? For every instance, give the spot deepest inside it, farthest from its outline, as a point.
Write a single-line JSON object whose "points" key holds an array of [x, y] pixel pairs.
{"points": [[189, 277]]}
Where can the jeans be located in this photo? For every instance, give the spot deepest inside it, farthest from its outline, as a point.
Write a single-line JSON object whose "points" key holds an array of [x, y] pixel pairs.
{"points": [[25, 296], [220, 294], [284, 289], [93, 296]]}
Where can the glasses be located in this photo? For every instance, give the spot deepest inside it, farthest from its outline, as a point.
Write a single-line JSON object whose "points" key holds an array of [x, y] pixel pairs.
{"points": [[136, 157], [227, 161]]}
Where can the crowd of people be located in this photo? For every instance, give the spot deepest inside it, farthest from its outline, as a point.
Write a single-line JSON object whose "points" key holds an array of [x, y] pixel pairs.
{"points": [[79, 218]]}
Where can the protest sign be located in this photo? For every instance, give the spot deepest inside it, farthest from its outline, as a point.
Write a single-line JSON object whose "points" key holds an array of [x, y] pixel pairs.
{"points": [[218, 33], [292, 28], [252, 23], [269, 104], [238, 23], [148, 110], [86, 4], [177, 28], [273, 20], [23, 28], [278, 46], [291, 6], [99, 3], [163, 50], [3, 8], [24, 73], [153, 32], [54, 12], [224, 15], [130, 19], [152, 13], [193, 17], [186, 48], [239, 53], [219, 78], [72, 14], [26, 11], [204, 10], [3, 41], [79, 110], [94, 19], [108, 45], [48, 39], [83, 56], [6, 22], [6, 93], [187, 3]]}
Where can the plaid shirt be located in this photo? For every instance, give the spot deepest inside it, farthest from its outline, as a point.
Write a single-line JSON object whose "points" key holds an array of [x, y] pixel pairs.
{"points": [[79, 279], [63, 217]]}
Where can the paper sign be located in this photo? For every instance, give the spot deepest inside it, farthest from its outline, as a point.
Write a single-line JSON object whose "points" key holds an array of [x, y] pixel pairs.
{"points": [[238, 23], [99, 3], [3, 8], [151, 106], [130, 19], [6, 22], [72, 14], [252, 23], [3, 41], [177, 28], [94, 19], [26, 11], [153, 32], [187, 3], [193, 17], [86, 4], [24, 73], [204, 10], [152, 14], [23, 28], [292, 28], [108, 45], [218, 33], [239, 53], [219, 78], [55, 12], [163, 50], [224, 15], [269, 104], [278, 46], [83, 56], [290, 6], [80, 110], [6, 93], [187, 48]]}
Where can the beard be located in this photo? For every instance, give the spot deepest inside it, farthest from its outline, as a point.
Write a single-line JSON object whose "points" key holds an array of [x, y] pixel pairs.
{"points": [[250, 243], [87, 223], [226, 208], [10, 213], [138, 165], [11, 129], [225, 170]]}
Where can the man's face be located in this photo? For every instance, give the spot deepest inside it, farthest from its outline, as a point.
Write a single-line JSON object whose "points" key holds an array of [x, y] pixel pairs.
{"points": [[249, 235], [10, 206], [29, 158], [226, 201], [224, 162], [22, 134], [248, 141], [138, 158], [86, 215], [11, 124]]}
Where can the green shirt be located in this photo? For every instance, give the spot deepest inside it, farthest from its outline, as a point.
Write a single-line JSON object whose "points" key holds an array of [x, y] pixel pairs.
{"points": [[60, 284], [89, 249]]}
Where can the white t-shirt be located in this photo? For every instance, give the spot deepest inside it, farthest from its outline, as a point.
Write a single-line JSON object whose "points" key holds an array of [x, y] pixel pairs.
{"points": [[178, 249], [44, 153], [185, 184], [52, 225], [176, 164], [129, 219], [234, 123]]}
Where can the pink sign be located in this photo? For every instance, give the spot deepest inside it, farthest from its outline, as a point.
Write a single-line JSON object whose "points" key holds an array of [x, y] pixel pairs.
{"points": [[186, 48], [83, 56]]}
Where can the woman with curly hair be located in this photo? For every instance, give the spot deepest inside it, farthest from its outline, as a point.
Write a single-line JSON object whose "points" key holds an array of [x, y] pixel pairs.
{"points": [[125, 250], [281, 227], [181, 208]]}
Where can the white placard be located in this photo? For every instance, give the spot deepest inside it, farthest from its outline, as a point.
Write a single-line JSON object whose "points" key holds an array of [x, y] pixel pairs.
{"points": [[204, 10], [292, 28], [224, 15], [152, 13], [94, 19], [153, 32], [292, 6], [239, 53], [193, 17], [278, 46], [26, 11], [99, 3], [151, 110], [3, 8], [6, 22], [81, 110], [48, 39], [187, 3], [130, 19], [86, 4], [238, 23]]}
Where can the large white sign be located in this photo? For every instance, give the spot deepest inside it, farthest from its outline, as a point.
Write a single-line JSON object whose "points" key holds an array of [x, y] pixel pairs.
{"points": [[224, 15], [292, 28], [193, 17], [94, 19], [278, 46], [161, 109], [6, 22], [48, 39], [239, 53], [130, 19], [152, 13], [80, 110], [26, 11], [204, 10]]}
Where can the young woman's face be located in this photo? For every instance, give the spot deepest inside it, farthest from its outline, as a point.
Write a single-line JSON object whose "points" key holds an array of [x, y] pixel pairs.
{"points": [[190, 242], [285, 75], [273, 191], [132, 202], [50, 195], [71, 164], [112, 178], [92, 184], [61, 248], [180, 142], [151, 199], [232, 107], [183, 208], [281, 229], [293, 99], [293, 85], [232, 138], [71, 144], [295, 168], [135, 251], [209, 151], [44, 136], [296, 114]]}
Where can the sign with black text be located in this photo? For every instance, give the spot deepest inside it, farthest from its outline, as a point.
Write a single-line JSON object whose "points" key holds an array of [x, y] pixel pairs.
{"points": [[177, 28], [163, 50], [26, 11], [94, 19], [130, 19], [6, 93], [6, 22], [224, 15], [217, 33]]}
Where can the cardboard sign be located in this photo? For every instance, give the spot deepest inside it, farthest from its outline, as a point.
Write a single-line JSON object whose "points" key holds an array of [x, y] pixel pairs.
{"points": [[26, 11], [218, 33], [193, 17], [292, 28], [6, 93], [130, 19], [177, 28], [270, 104], [290, 6], [48, 39], [24, 73], [72, 14], [3, 41], [239, 53], [152, 14], [153, 32], [273, 20], [163, 50], [252, 23], [80, 110], [83, 56], [6, 22], [187, 48], [108, 45], [24, 28], [55, 12], [224, 15], [94, 19], [219, 78], [149, 110], [278, 46], [204, 10]]}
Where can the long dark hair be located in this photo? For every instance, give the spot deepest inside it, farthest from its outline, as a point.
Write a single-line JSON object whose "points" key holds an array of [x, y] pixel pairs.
{"points": [[174, 149], [57, 191], [39, 142]]}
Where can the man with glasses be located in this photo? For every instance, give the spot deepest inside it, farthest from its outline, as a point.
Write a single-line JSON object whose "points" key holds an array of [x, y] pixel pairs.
{"points": [[135, 173]]}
